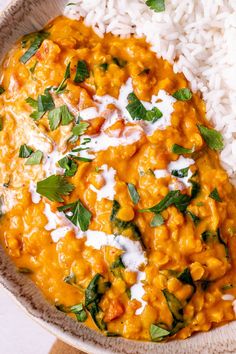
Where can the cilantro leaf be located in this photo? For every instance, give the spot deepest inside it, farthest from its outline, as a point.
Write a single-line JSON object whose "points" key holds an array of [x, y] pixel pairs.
{"points": [[176, 198], [157, 220], [215, 195], [104, 66], [54, 117], [35, 45], [2, 90], [45, 102], [37, 115], [180, 173], [157, 333], [80, 129], [69, 165], [153, 115], [54, 187], [80, 158], [61, 88], [25, 151], [33, 103], [138, 112], [183, 94], [35, 158], [179, 150], [119, 62], [156, 5], [135, 107], [80, 312], [80, 217], [66, 116], [82, 72], [212, 137], [133, 193], [186, 277]]}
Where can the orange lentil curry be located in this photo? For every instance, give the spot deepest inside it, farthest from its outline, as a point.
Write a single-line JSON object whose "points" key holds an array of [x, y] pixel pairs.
{"points": [[125, 221]]}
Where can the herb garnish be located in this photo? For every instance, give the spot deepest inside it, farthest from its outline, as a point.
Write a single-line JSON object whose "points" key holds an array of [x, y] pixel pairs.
{"points": [[180, 173], [80, 128], [25, 151], [24, 270], [179, 150], [183, 94], [176, 198], [212, 137], [227, 287], [138, 112], [2, 90], [133, 193], [215, 195], [69, 165], [1, 123], [61, 88], [158, 333], [117, 266], [119, 62], [32, 69], [77, 214], [82, 72], [80, 312], [59, 115], [93, 295], [157, 220], [104, 66], [35, 158], [34, 45], [156, 5], [211, 236], [144, 71], [54, 187]]}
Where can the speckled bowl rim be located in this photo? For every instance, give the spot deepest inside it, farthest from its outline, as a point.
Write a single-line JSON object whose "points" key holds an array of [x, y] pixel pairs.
{"points": [[20, 17]]}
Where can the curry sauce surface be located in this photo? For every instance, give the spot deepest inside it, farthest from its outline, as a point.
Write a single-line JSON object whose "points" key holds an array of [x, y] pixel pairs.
{"points": [[64, 269]]}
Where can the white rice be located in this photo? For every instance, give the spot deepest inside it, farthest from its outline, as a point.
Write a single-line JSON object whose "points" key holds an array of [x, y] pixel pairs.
{"points": [[197, 36]]}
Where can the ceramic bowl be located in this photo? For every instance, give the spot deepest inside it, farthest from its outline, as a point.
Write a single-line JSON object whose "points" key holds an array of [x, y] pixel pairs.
{"points": [[21, 17]]}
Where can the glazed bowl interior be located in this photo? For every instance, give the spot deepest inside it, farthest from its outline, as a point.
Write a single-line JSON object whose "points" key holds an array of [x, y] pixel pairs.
{"points": [[21, 17]]}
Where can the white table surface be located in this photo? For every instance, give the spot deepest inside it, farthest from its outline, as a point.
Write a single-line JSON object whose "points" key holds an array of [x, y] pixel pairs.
{"points": [[18, 333]]}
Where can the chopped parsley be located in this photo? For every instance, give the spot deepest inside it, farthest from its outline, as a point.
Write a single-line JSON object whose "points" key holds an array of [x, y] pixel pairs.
{"points": [[180, 173], [133, 193], [157, 220], [215, 195], [54, 187], [80, 128], [183, 94], [60, 115], [158, 333], [69, 165], [212, 137], [45, 102], [104, 66], [77, 214], [61, 88], [82, 72], [25, 151], [36, 41], [138, 112], [156, 5], [179, 150], [119, 62], [2, 90], [35, 158]]}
